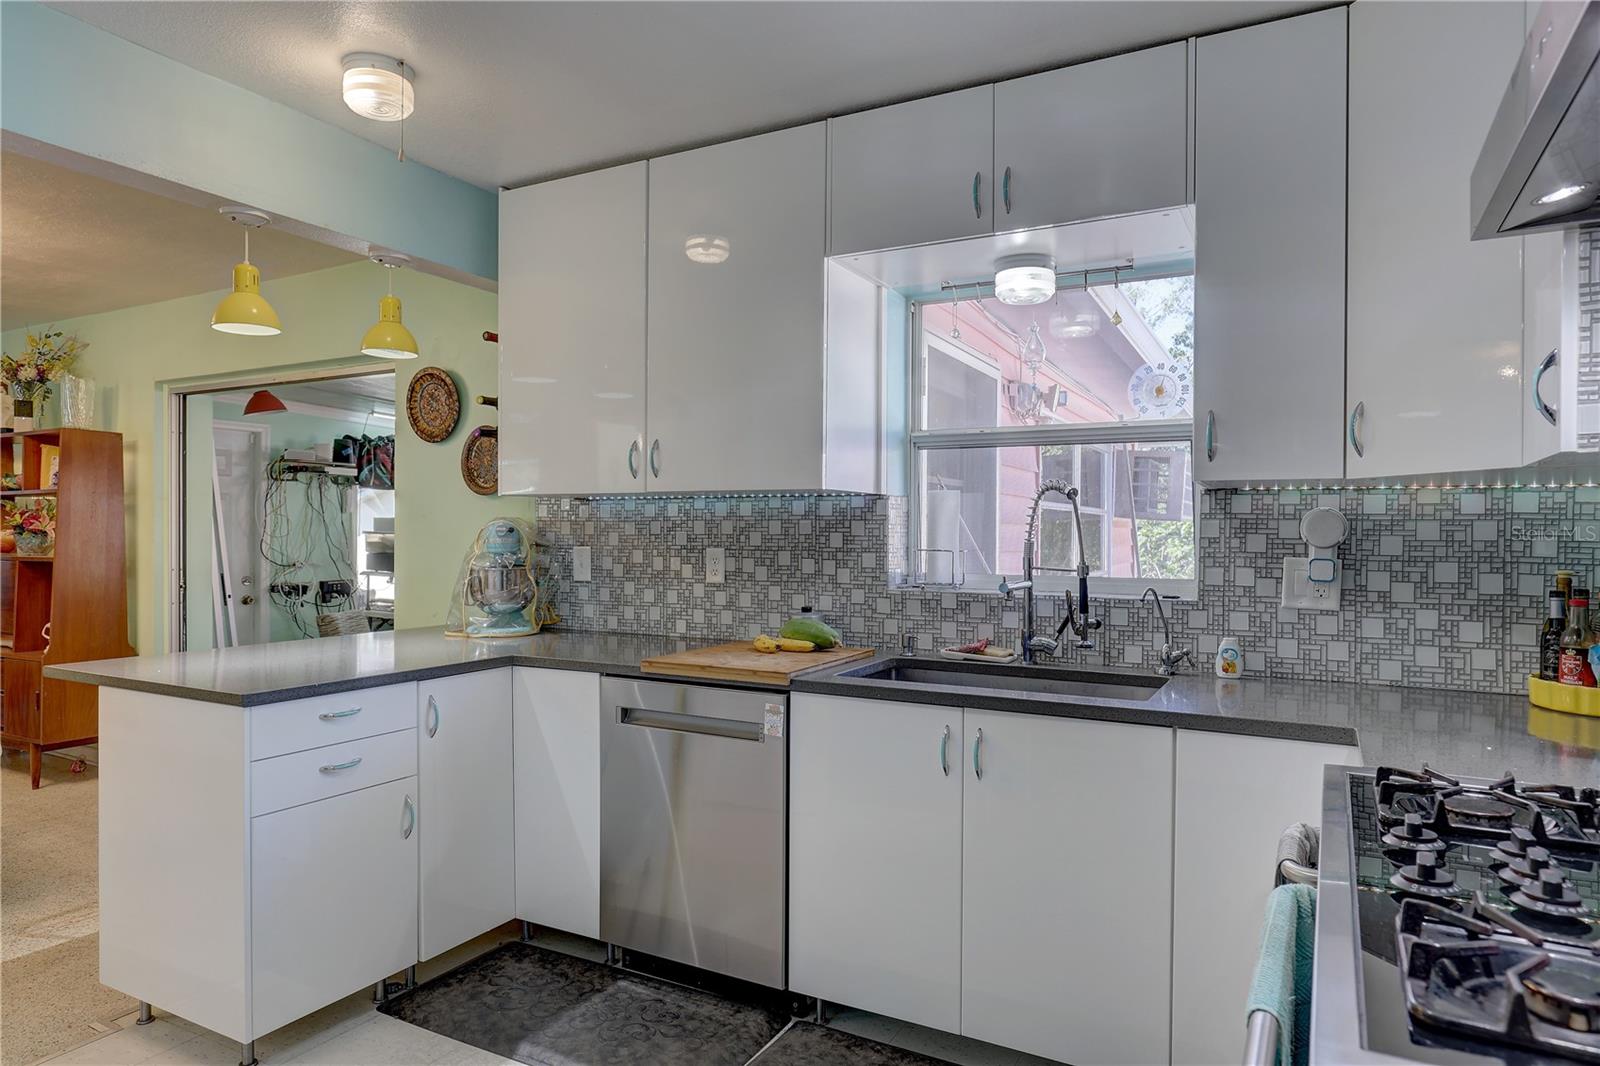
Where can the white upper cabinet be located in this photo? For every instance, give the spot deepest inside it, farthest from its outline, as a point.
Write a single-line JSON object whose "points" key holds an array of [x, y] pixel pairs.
{"points": [[572, 334], [1553, 421], [1104, 138], [1061, 861], [1435, 376], [736, 346], [1269, 187], [912, 173]]}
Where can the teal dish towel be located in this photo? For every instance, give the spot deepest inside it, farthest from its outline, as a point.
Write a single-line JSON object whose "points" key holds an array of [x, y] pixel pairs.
{"points": [[1282, 983]]}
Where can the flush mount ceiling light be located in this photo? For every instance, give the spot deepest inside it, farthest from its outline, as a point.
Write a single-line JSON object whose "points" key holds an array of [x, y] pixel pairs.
{"points": [[707, 248], [244, 311], [389, 338], [1020, 280], [378, 87], [1566, 192], [263, 402]]}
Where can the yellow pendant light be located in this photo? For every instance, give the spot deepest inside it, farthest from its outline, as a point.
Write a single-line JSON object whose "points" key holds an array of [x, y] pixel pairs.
{"points": [[389, 338], [244, 311]]}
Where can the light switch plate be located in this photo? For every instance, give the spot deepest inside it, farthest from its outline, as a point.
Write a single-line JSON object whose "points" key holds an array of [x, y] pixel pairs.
{"points": [[716, 564], [1300, 592], [581, 561]]}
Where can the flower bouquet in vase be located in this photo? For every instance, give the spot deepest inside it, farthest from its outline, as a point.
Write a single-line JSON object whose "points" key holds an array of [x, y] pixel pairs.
{"points": [[27, 377], [32, 526]]}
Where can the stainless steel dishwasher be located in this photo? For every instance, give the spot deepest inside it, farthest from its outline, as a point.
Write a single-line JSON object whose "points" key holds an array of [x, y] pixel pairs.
{"points": [[693, 850]]}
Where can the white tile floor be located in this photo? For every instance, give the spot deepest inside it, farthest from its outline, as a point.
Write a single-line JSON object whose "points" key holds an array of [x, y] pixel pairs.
{"points": [[352, 1033]]}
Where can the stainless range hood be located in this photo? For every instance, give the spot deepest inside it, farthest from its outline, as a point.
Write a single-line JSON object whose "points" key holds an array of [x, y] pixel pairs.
{"points": [[1544, 144]]}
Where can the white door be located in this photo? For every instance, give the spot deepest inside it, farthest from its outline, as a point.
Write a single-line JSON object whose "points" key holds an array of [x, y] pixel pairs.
{"points": [[464, 774], [241, 457], [1221, 879], [875, 856], [333, 899], [557, 790], [1435, 319], [572, 306], [1067, 887], [1104, 138], [736, 349], [1269, 305], [913, 173]]}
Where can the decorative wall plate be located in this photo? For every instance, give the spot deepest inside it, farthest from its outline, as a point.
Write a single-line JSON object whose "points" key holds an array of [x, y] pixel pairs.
{"points": [[480, 460], [433, 404]]}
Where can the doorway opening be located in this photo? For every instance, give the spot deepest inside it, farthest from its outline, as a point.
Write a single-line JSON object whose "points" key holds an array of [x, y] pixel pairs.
{"points": [[285, 518]]}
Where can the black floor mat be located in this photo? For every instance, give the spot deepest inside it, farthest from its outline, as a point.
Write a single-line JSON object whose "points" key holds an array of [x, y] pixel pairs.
{"points": [[541, 1007], [806, 1044]]}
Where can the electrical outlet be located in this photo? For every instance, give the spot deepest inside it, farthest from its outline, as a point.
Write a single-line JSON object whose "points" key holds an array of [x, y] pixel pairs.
{"points": [[715, 566], [1300, 592], [581, 562]]}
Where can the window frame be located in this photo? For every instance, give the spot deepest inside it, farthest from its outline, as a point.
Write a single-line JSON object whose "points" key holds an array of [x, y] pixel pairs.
{"points": [[919, 441]]}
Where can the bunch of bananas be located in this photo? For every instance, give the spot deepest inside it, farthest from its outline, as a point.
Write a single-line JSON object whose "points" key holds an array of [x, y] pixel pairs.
{"points": [[772, 645]]}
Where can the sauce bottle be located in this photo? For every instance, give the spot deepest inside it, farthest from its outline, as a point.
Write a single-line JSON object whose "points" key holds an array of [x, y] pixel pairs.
{"points": [[1550, 637], [1576, 640]]}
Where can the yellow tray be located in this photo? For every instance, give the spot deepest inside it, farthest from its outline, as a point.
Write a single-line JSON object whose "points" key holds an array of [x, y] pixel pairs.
{"points": [[1569, 698]]}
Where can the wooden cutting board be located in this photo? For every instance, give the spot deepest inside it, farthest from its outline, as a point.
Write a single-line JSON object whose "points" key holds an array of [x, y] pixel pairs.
{"points": [[738, 661]]}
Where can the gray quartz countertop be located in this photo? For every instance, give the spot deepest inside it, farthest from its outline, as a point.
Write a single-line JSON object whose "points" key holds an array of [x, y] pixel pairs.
{"points": [[1459, 732]]}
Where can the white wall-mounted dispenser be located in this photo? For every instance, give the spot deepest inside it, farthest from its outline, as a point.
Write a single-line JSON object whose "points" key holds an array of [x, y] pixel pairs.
{"points": [[1312, 583]]}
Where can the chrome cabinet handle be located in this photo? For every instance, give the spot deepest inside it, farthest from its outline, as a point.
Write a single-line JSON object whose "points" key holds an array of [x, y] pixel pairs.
{"points": [[977, 760], [977, 187], [432, 720], [1211, 436], [655, 457], [409, 812], [1358, 414], [1005, 189], [633, 459], [333, 716], [1539, 405], [335, 767], [944, 752]]}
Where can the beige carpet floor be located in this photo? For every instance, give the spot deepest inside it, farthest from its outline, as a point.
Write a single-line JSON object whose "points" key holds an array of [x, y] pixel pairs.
{"points": [[49, 916]]}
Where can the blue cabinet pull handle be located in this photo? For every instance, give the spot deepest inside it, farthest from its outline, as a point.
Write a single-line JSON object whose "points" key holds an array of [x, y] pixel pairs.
{"points": [[977, 762], [977, 186], [1539, 405], [1211, 436], [335, 767], [329, 716], [633, 459], [433, 716], [944, 752], [1005, 189], [655, 457], [408, 809], [1357, 414]]}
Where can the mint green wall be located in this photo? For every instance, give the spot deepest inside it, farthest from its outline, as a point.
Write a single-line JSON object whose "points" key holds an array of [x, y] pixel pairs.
{"points": [[77, 87], [139, 354]]}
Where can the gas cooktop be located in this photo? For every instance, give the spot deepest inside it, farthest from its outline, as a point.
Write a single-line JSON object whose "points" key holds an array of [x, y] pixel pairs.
{"points": [[1479, 911]]}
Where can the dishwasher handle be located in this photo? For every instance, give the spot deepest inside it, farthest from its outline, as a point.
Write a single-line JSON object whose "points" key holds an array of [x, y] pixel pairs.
{"points": [[705, 725]]}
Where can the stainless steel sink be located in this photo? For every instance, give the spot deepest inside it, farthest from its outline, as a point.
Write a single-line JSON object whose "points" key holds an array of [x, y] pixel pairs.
{"points": [[997, 677]]}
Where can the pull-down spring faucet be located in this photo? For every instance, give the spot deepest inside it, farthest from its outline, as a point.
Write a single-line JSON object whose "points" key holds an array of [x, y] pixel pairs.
{"points": [[1077, 616]]}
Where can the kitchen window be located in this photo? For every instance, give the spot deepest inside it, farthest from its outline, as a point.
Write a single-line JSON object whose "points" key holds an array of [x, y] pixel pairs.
{"points": [[1093, 388]]}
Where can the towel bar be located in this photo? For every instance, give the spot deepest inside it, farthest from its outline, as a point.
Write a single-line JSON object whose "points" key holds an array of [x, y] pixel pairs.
{"points": [[1261, 1039]]}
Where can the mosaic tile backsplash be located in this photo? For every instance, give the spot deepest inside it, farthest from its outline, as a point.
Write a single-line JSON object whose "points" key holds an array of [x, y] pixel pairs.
{"points": [[1441, 588]]}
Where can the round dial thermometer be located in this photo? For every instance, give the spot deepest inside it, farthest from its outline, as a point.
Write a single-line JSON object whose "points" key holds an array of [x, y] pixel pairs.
{"points": [[1158, 390]]}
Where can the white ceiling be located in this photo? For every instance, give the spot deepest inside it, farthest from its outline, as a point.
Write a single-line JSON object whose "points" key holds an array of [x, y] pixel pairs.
{"points": [[369, 394], [508, 93], [78, 245]]}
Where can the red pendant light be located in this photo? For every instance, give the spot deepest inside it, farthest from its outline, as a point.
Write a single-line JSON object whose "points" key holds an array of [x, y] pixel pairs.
{"points": [[262, 402]]}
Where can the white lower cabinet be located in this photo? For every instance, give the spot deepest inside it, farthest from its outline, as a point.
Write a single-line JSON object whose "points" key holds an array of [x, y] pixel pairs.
{"points": [[333, 899], [468, 878], [875, 856], [1254, 787], [556, 727], [1066, 887]]}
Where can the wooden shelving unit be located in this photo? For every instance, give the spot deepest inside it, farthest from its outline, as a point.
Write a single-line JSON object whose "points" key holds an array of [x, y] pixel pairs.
{"points": [[80, 590]]}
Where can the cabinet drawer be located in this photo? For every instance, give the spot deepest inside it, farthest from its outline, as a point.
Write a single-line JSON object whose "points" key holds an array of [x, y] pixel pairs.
{"points": [[290, 780], [280, 728]]}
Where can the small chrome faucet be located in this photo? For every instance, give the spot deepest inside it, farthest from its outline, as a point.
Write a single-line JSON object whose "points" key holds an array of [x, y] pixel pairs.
{"points": [[1077, 617], [1170, 660]]}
